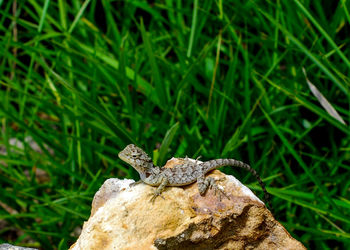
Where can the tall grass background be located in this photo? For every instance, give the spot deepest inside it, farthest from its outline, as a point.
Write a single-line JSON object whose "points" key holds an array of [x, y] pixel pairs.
{"points": [[265, 82]]}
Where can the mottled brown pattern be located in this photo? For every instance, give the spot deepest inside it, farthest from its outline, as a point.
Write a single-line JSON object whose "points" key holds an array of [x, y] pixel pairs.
{"points": [[182, 174]]}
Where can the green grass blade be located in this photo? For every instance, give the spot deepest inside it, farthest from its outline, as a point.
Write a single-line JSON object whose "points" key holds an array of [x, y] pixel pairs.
{"points": [[168, 138], [193, 28], [299, 159], [323, 32], [78, 16], [308, 53]]}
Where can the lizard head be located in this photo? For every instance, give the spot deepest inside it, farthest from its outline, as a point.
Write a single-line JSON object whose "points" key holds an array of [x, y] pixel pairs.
{"points": [[136, 157]]}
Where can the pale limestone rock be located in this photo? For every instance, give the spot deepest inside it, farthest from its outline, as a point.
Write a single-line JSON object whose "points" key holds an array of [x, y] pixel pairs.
{"points": [[6, 246], [123, 218]]}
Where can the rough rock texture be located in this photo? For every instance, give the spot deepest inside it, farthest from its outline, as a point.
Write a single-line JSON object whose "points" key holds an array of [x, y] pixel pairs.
{"points": [[123, 218], [6, 246]]}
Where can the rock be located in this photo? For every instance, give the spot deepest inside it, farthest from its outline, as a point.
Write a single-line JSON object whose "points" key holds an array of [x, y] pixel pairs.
{"points": [[123, 218], [6, 246]]}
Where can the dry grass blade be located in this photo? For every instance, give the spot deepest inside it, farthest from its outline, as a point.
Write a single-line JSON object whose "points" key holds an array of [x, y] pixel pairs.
{"points": [[323, 101]]}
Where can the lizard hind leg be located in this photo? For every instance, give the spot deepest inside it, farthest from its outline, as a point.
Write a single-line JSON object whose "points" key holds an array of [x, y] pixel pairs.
{"points": [[209, 182]]}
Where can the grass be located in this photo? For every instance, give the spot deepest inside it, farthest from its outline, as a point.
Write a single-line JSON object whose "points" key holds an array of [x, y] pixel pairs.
{"points": [[82, 79]]}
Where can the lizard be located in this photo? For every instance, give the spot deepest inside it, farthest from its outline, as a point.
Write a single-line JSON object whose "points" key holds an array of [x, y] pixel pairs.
{"points": [[182, 174]]}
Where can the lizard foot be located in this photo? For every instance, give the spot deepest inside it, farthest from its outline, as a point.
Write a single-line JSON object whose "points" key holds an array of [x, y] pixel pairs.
{"points": [[188, 161], [217, 189], [155, 195]]}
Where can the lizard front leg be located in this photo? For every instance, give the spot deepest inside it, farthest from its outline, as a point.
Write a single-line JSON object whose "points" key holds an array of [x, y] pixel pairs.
{"points": [[135, 183], [209, 182], [163, 183]]}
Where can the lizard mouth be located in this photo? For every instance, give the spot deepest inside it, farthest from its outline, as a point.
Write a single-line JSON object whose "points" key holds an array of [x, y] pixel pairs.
{"points": [[122, 156], [125, 158]]}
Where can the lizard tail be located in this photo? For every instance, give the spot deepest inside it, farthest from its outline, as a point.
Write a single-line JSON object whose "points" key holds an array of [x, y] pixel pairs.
{"points": [[213, 164]]}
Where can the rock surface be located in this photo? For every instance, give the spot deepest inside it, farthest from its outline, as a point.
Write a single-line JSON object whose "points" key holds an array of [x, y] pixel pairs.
{"points": [[6, 246], [123, 218]]}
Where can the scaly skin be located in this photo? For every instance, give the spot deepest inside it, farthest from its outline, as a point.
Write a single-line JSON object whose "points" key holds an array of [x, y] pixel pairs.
{"points": [[180, 175]]}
